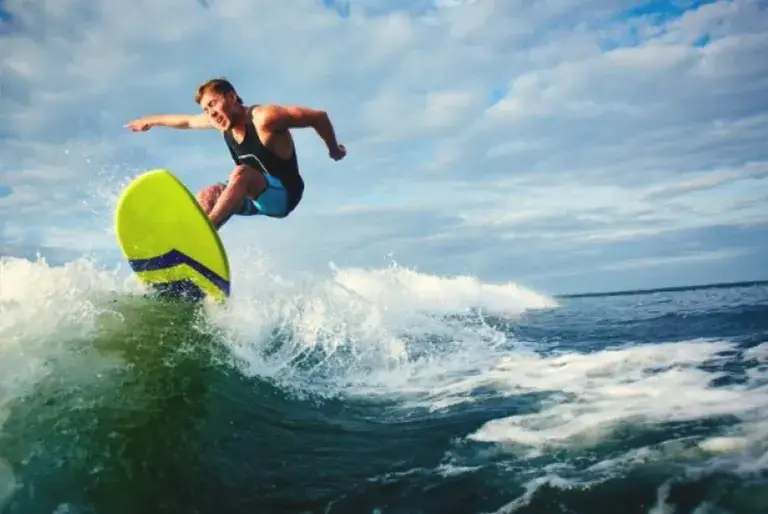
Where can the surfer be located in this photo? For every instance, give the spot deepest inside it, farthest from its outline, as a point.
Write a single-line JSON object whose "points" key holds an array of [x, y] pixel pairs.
{"points": [[266, 178]]}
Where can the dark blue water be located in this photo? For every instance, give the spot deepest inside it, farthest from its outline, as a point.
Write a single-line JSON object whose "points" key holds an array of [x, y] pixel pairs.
{"points": [[639, 403]]}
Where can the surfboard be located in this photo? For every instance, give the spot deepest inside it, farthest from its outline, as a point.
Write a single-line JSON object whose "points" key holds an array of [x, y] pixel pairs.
{"points": [[168, 240]]}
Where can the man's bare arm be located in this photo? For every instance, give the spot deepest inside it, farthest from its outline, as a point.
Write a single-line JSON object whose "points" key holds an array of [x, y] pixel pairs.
{"points": [[276, 118], [178, 121]]}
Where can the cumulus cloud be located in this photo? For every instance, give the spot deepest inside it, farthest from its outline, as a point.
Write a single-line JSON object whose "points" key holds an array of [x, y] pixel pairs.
{"points": [[568, 146]]}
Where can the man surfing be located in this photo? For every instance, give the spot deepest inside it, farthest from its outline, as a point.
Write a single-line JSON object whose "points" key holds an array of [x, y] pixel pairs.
{"points": [[266, 177]]}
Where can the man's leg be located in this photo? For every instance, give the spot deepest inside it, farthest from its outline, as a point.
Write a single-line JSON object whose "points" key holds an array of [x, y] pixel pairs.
{"points": [[207, 197], [244, 182]]}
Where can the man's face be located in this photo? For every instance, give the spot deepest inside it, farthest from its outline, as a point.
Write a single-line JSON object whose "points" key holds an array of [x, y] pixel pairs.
{"points": [[219, 108]]}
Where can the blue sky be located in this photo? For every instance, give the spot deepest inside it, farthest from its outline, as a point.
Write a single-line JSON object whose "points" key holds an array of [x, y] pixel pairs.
{"points": [[566, 146]]}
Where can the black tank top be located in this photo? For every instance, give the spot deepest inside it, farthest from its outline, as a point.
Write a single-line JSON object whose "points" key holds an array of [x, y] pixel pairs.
{"points": [[253, 153]]}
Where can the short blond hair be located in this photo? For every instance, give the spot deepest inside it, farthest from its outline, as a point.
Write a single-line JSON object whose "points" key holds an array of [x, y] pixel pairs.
{"points": [[218, 85]]}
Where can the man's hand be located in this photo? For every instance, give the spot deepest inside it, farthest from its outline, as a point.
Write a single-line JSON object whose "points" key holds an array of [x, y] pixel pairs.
{"points": [[338, 152], [140, 125]]}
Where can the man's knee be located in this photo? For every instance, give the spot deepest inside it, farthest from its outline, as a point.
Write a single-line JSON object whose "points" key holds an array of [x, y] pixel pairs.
{"points": [[242, 172], [207, 197], [252, 178], [210, 192]]}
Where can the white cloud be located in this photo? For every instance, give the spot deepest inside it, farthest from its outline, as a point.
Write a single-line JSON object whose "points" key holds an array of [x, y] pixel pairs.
{"points": [[493, 137]]}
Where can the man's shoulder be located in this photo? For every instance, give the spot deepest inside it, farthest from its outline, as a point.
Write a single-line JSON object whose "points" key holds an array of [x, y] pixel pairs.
{"points": [[263, 115]]}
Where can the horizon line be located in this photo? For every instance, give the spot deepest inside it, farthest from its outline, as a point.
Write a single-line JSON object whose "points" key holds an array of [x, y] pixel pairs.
{"points": [[626, 292]]}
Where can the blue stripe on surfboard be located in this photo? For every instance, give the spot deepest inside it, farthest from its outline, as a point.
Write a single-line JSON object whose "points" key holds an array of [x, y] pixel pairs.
{"points": [[173, 258]]}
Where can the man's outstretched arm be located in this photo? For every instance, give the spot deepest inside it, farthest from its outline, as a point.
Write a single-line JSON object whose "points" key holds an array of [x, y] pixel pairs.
{"points": [[276, 118], [179, 121]]}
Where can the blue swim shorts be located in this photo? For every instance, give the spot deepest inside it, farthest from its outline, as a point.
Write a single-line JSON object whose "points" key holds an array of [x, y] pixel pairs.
{"points": [[272, 202]]}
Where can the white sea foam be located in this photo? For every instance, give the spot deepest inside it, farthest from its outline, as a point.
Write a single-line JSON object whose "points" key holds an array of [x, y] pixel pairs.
{"points": [[42, 307], [384, 331], [594, 393]]}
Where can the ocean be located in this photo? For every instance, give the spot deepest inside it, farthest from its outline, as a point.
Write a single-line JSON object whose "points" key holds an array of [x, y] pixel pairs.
{"points": [[381, 391]]}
